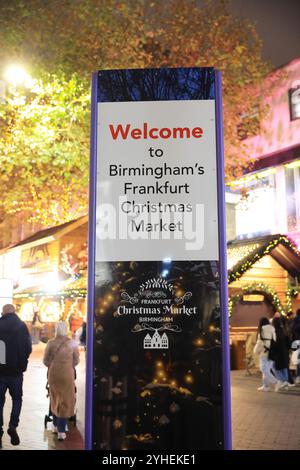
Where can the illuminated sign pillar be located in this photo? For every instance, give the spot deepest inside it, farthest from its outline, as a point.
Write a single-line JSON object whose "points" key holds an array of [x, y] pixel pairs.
{"points": [[157, 356]]}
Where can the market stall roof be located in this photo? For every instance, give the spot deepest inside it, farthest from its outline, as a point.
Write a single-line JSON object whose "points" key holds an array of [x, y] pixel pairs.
{"points": [[52, 233], [73, 287], [242, 254], [79, 283]]}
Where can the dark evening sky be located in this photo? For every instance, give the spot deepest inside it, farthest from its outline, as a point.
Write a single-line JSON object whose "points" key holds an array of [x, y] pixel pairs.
{"points": [[278, 24]]}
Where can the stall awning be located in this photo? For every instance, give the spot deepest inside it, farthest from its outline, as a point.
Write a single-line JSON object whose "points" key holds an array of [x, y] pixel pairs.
{"points": [[50, 234]]}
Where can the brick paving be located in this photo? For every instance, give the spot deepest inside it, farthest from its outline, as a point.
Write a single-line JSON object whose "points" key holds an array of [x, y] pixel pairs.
{"points": [[264, 420], [269, 421], [35, 406]]}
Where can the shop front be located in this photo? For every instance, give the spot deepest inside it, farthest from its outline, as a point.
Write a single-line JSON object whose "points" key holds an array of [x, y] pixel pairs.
{"points": [[51, 281], [263, 276]]}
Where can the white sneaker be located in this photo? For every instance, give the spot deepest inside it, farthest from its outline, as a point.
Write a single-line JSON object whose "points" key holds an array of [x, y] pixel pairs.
{"points": [[297, 381], [61, 436], [54, 429], [290, 385], [263, 389], [279, 385]]}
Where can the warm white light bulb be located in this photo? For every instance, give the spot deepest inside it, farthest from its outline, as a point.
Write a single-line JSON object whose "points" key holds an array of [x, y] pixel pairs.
{"points": [[16, 75]]}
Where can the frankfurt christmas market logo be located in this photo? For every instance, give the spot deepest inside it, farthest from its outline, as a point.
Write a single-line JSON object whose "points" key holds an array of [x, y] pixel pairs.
{"points": [[157, 341], [156, 307]]}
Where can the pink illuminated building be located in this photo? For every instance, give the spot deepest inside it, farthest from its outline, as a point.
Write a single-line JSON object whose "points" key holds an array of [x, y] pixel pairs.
{"points": [[273, 184]]}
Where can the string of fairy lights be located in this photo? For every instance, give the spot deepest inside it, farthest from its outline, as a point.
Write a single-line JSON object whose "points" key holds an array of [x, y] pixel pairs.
{"points": [[245, 264], [292, 293], [71, 294], [257, 287]]}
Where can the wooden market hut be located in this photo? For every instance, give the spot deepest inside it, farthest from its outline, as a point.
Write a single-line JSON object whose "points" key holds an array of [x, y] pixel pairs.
{"points": [[52, 275], [263, 277]]}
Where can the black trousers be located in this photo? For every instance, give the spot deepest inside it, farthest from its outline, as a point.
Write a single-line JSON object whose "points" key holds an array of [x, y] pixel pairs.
{"points": [[14, 385]]}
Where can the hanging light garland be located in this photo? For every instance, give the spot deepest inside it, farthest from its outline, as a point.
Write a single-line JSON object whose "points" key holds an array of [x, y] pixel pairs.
{"points": [[243, 266], [257, 287], [291, 293], [70, 293]]}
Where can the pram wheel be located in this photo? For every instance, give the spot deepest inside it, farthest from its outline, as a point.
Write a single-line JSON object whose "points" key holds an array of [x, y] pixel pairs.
{"points": [[73, 419], [47, 420]]}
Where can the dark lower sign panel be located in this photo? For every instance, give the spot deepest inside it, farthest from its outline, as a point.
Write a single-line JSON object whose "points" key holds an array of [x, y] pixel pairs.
{"points": [[157, 358]]}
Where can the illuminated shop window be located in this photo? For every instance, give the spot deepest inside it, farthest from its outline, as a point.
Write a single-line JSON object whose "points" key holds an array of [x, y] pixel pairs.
{"points": [[256, 211], [27, 310], [294, 102], [50, 310], [292, 173]]}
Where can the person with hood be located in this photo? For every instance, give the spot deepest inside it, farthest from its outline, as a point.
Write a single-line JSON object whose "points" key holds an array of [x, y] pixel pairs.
{"points": [[61, 357], [16, 348]]}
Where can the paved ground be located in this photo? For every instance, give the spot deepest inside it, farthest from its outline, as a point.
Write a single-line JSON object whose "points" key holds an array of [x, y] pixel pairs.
{"points": [[260, 420], [35, 406], [264, 420]]}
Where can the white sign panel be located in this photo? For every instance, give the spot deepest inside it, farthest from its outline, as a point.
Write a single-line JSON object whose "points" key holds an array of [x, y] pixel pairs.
{"points": [[156, 181]]}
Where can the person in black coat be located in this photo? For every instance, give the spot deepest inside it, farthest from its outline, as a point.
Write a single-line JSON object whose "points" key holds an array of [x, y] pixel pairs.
{"points": [[296, 326], [83, 335], [282, 352], [296, 337], [15, 349]]}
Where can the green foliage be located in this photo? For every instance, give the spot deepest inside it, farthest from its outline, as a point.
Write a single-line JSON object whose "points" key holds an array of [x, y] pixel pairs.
{"points": [[44, 132], [44, 150], [73, 35], [211, 37]]}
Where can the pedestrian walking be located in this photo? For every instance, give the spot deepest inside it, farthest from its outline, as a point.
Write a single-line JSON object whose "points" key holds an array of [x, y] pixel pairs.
{"points": [[15, 337], [36, 328], [296, 337], [281, 360], [286, 323], [61, 357], [75, 320], [83, 335], [266, 337], [276, 315]]}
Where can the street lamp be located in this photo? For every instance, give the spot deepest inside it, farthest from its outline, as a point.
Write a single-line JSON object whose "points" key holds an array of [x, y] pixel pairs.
{"points": [[17, 75]]}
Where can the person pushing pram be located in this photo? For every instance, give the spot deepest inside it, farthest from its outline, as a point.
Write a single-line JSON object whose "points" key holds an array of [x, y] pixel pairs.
{"points": [[61, 357]]}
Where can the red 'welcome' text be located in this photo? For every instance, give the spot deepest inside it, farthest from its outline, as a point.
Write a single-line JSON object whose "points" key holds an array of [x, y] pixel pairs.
{"points": [[146, 132]]}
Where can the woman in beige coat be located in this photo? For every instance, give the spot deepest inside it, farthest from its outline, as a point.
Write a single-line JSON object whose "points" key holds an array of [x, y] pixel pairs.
{"points": [[61, 356]]}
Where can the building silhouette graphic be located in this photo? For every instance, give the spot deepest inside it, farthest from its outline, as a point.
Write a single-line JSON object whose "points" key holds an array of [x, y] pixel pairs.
{"points": [[157, 341]]}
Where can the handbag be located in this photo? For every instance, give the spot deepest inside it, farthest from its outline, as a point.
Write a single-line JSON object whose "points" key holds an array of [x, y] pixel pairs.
{"points": [[295, 357], [57, 351], [51, 361], [272, 350]]}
